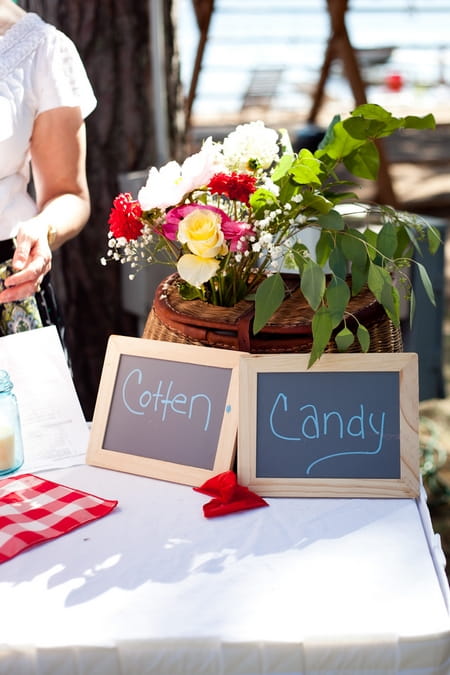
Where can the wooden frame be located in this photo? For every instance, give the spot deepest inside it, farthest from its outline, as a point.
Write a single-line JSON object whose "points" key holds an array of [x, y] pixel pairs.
{"points": [[163, 355], [406, 485]]}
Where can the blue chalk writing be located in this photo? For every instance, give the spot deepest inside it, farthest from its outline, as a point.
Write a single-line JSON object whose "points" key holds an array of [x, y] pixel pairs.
{"points": [[161, 401], [314, 425], [284, 400], [355, 452]]}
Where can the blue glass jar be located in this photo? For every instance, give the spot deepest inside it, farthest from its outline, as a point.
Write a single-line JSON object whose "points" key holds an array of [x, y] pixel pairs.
{"points": [[11, 448]]}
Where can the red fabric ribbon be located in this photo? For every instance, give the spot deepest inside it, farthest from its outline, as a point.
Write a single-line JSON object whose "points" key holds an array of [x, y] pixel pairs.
{"points": [[228, 496]]}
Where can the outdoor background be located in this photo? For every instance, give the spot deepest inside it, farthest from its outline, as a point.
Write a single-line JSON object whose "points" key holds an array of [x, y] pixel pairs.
{"points": [[261, 60], [140, 57]]}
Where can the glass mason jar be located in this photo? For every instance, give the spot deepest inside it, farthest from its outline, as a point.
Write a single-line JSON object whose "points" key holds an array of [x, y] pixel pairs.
{"points": [[11, 448]]}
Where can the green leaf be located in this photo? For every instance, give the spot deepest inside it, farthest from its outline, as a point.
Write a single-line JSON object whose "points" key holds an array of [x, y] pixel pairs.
{"points": [[413, 122], [344, 339], [359, 278], [371, 238], [331, 220], [329, 134], [321, 329], [372, 111], [363, 336], [282, 167], [287, 190], [375, 112], [412, 234], [381, 285], [318, 203], [426, 282], [189, 292], [300, 255], [353, 246], [338, 263], [313, 284], [387, 239], [390, 299], [364, 162], [324, 247], [433, 238], [376, 280], [306, 169], [269, 296], [404, 246], [340, 143], [362, 128], [337, 296], [412, 306], [262, 199]]}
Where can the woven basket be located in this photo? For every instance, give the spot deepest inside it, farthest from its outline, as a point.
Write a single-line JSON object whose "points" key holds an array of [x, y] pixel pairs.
{"points": [[173, 319]]}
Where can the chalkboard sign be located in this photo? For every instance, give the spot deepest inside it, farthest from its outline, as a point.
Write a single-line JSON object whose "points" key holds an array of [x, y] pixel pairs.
{"points": [[166, 410], [348, 426]]}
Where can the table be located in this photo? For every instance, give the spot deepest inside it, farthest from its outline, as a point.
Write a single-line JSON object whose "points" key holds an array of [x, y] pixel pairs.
{"points": [[305, 586]]}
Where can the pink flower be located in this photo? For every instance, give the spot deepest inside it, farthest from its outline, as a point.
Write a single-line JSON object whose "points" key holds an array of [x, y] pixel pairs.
{"points": [[237, 234]]}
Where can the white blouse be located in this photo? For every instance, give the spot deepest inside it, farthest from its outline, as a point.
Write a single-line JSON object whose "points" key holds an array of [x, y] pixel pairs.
{"points": [[40, 69]]}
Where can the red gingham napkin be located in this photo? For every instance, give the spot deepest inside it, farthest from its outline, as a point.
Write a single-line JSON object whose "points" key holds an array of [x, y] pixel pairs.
{"points": [[33, 510]]}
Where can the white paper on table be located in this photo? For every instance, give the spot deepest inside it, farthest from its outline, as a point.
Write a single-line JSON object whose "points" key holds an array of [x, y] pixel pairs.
{"points": [[54, 430]]}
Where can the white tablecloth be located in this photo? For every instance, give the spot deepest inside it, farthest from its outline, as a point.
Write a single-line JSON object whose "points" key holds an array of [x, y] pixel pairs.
{"points": [[305, 586]]}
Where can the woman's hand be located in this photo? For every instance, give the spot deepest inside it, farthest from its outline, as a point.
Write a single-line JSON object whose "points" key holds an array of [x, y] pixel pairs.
{"points": [[58, 156], [31, 262]]}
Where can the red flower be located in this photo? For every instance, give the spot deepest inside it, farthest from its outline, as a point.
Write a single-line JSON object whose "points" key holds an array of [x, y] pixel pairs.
{"points": [[236, 186], [124, 219]]}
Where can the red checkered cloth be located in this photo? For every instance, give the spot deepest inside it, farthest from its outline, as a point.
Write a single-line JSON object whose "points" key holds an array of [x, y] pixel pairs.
{"points": [[33, 510]]}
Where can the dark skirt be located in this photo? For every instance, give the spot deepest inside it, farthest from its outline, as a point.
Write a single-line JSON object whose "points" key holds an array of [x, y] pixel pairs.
{"points": [[36, 311]]}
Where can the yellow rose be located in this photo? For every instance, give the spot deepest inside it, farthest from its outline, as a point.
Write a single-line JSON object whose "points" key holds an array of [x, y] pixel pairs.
{"points": [[200, 230]]}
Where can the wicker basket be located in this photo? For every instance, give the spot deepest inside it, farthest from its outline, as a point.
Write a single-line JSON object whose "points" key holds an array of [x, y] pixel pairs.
{"points": [[173, 319]]}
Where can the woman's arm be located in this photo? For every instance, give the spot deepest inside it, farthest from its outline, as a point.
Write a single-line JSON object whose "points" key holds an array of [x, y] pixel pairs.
{"points": [[58, 156]]}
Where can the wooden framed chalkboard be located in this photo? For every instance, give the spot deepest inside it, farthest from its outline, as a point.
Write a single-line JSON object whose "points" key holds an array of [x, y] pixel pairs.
{"points": [[165, 410], [347, 427]]}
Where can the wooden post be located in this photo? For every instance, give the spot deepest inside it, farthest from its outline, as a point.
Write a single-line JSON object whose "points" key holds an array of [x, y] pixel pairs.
{"points": [[203, 11], [339, 46]]}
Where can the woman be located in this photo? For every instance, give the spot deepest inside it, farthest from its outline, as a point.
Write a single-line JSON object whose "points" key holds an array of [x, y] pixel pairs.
{"points": [[44, 97]]}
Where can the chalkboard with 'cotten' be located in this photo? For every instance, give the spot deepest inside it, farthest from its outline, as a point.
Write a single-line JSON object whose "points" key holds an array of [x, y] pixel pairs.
{"points": [[165, 410], [346, 426]]}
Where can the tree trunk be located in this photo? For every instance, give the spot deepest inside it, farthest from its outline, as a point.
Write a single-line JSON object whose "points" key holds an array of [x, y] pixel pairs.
{"points": [[112, 37]]}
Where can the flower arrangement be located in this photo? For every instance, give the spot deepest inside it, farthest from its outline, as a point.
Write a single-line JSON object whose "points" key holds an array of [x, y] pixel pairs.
{"points": [[231, 218]]}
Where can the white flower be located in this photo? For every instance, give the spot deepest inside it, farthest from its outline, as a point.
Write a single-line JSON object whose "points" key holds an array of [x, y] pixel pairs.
{"points": [[164, 187], [196, 270], [250, 144], [266, 238], [197, 170], [167, 186], [268, 184]]}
